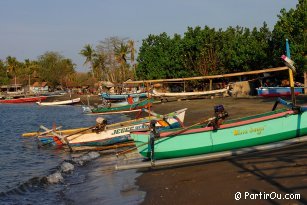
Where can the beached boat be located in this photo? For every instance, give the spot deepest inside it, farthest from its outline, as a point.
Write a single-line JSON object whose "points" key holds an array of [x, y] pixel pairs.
{"points": [[108, 104], [278, 91], [130, 107], [112, 134], [122, 97], [63, 102], [266, 128], [24, 100], [123, 103], [155, 93]]}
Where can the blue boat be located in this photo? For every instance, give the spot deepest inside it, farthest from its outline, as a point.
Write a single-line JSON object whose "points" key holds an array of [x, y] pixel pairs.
{"points": [[278, 91]]}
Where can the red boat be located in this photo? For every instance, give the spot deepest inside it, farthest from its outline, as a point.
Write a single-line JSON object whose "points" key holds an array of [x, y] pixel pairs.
{"points": [[24, 100]]}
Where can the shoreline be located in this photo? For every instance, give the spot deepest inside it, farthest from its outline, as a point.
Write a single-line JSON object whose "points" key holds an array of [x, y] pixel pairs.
{"points": [[282, 171]]}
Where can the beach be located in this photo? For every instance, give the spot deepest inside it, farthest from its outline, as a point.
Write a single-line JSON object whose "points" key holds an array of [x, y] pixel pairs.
{"points": [[258, 178], [270, 174]]}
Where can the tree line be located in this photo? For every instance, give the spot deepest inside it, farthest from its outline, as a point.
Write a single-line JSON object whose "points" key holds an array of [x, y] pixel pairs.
{"points": [[199, 51], [207, 51], [51, 67]]}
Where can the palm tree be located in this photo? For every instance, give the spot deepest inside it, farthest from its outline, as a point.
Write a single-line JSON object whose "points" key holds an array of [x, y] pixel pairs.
{"points": [[121, 53], [132, 55], [99, 67], [89, 53], [12, 65]]}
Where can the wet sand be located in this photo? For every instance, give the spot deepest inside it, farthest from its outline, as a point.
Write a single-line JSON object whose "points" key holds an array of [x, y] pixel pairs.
{"points": [[283, 171]]}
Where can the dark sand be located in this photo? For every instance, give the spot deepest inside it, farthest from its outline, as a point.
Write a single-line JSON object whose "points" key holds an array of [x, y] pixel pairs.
{"points": [[283, 171]]}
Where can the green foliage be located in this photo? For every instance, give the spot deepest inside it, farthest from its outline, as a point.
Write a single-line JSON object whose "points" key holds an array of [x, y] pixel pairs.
{"points": [[4, 79], [206, 51], [54, 68], [292, 26], [244, 50], [158, 58]]}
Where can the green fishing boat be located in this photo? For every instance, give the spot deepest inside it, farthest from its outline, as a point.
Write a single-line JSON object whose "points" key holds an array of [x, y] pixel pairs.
{"points": [[270, 127], [134, 106]]}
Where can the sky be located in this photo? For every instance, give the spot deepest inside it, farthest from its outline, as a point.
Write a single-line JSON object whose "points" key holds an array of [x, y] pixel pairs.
{"points": [[29, 28]]}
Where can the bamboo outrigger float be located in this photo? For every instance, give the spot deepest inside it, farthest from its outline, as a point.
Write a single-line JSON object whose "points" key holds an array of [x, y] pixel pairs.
{"points": [[182, 94]]}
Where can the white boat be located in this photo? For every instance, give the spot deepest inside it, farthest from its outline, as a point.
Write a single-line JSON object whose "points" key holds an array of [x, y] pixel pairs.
{"points": [[112, 134], [210, 92], [64, 102]]}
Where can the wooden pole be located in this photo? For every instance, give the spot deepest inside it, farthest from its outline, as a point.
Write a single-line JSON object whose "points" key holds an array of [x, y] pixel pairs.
{"points": [[210, 85], [305, 82], [290, 74], [255, 72]]}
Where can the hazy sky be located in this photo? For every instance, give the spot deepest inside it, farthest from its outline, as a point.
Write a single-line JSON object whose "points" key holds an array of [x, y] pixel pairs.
{"points": [[29, 28]]}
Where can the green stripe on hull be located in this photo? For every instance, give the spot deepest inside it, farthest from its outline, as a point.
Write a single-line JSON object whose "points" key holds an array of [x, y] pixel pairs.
{"points": [[253, 134], [125, 107]]}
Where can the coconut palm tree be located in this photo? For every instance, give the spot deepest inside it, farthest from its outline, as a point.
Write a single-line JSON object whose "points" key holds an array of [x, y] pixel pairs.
{"points": [[132, 55], [12, 66], [99, 67], [89, 53], [121, 52]]}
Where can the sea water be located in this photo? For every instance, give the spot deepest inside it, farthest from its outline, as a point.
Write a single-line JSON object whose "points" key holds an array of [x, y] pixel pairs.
{"points": [[27, 171]]}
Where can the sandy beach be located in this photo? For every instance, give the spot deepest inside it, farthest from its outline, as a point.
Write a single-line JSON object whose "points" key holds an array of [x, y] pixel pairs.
{"points": [[261, 178], [275, 172]]}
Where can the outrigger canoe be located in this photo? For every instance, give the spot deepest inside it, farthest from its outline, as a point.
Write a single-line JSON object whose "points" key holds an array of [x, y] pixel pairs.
{"points": [[24, 100], [114, 133], [266, 128], [278, 91], [135, 106], [122, 97], [63, 102]]}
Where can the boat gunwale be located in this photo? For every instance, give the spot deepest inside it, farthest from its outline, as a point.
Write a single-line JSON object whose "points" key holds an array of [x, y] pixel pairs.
{"points": [[193, 130]]}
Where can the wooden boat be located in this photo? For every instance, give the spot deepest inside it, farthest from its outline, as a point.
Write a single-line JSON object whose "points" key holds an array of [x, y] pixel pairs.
{"points": [[270, 127], [108, 104], [114, 133], [210, 92], [122, 97], [278, 91], [137, 105], [123, 103], [24, 100], [63, 102]]}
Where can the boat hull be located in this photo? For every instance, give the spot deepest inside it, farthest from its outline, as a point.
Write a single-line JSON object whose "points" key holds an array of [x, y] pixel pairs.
{"points": [[122, 97], [24, 100], [137, 105], [278, 91], [56, 103], [257, 131], [111, 135]]}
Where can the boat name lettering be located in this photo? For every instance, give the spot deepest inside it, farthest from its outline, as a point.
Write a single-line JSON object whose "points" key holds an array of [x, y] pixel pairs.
{"points": [[128, 129], [257, 130]]}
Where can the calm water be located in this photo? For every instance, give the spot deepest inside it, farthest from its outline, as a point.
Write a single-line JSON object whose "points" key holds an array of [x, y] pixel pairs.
{"points": [[24, 165]]}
